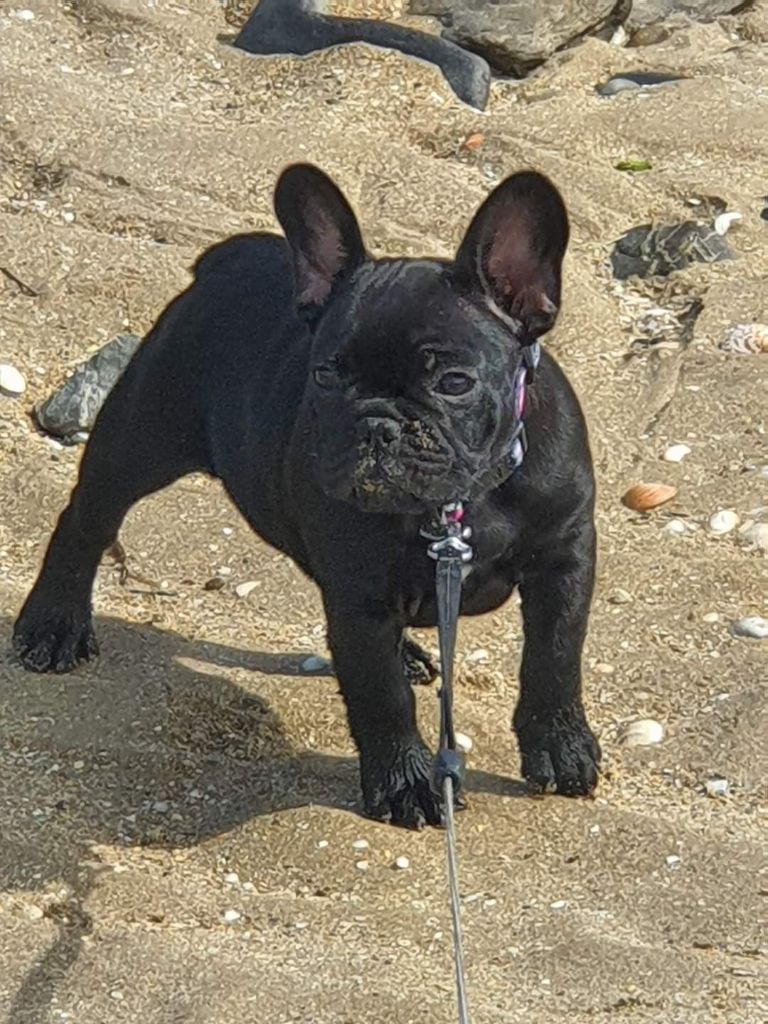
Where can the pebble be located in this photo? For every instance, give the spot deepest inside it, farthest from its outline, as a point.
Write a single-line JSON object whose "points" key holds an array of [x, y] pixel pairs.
{"points": [[315, 664], [362, 865], [676, 453], [12, 381], [463, 743], [244, 589], [717, 787], [322, 844], [604, 668], [594, 830], [723, 521], [214, 583], [231, 916], [227, 531], [361, 844], [757, 534], [558, 905], [643, 733], [117, 995], [232, 878], [711, 617], [753, 626], [224, 570], [24, 15], [478, 657], [402, 863], [675, 528], [673, 861], [35, 913], [620, 596]]}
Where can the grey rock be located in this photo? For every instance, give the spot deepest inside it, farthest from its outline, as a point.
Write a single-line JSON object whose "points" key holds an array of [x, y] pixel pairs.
{"points": [[71, 411], [648, 12], [629, 80], [753, 626], [657, 250], [517, 35], [300, 27]]}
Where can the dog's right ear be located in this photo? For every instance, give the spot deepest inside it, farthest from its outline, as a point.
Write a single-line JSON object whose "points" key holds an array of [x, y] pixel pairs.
{"points": [[321, 230]]}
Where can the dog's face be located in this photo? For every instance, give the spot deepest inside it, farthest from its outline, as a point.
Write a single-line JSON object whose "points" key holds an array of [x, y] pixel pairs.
{"points": [[413, 364]]}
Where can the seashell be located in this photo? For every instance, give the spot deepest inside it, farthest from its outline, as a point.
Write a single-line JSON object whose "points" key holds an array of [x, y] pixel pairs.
{"points": [[676, 453], [402, 863], [12, 381], [463, 743], [675, 528], [473, 142], [757, 534], [723, 521], [753, 626], [717, 787], [244, 589], [745, 339], [643, 733], [723, 222], [643, 497]]}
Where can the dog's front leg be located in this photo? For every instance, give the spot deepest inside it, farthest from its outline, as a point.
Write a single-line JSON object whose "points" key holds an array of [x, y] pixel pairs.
{"points": [[559, 752], [395, 764]]}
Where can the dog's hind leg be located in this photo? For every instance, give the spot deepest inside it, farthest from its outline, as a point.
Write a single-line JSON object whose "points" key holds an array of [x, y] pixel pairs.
{"points": [[139, 444]]}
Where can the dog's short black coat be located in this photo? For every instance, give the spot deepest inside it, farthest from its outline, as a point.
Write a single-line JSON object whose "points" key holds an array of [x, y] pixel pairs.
{"points": [[341, 400]]}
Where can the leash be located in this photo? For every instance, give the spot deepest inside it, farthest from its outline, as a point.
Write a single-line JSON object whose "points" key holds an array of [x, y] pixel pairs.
{"points": [[450, 550]]}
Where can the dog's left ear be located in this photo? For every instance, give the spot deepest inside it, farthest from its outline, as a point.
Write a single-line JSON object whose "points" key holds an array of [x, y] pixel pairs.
{"points": [[321, 230], [514, 249]]}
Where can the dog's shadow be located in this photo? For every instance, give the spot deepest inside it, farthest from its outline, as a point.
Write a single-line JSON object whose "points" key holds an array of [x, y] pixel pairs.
{"points": [[151, 745]]}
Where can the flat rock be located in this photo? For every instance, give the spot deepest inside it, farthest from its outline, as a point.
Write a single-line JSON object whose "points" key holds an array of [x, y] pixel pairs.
{"points": [[515, 35], [648, 12], [298, 26]]}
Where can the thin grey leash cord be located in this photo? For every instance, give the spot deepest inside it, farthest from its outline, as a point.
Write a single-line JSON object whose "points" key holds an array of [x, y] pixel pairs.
{"points": [[450, 551]]}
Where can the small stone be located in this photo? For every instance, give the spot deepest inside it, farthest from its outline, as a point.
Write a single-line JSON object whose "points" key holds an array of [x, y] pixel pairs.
{"points": [[68, 216], [644, 732], [231, 916], [478, 657], [619, 596], [676, 453], [723, 522], [361, 844], [314, 665], [717, 787], [24, 15], [35, 913], [594, 830], [117, 995], [757, 534], [249, 887], [232, 878], [558, 905], [753, 626], [227, 531], [214, 583], [362, 865], [673, 861], [402, 863], [710, 617], [675, 528], [244, 589], [323, 844], [12, 382], [161, 806], [78, 765], [604, 668], [463, 743], [224, 571]]}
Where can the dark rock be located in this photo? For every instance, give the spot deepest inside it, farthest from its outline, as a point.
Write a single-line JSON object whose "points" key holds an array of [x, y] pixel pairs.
{"points": [[635, 80], [764, 211], [71, 411], [298, 26], [657, 250], [517, 35], [648, 12]]}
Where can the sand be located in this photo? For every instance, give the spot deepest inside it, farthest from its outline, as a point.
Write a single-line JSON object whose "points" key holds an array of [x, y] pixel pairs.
{"points": [[130, 139]]}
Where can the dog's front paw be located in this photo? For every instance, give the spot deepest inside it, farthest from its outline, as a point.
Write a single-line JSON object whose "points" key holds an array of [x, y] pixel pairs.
{"points": [[419, 668], [559, 752], [54, 640], [400, 790]]}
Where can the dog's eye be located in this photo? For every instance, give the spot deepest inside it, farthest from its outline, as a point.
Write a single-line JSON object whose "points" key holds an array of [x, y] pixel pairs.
{"points": [[325, 376], [455, 384]]}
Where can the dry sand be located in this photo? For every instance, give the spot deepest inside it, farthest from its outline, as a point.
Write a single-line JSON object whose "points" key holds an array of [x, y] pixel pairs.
{"points": [[130, 139]]}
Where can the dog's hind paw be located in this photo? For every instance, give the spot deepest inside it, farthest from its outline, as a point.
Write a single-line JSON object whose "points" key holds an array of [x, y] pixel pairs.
{"points": [[419, 668], [560, 755], [402, 793], [54, 641]]}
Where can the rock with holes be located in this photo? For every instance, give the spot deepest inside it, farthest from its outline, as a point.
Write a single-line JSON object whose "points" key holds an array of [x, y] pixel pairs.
{"points": [[71, 411], [516, 35]]}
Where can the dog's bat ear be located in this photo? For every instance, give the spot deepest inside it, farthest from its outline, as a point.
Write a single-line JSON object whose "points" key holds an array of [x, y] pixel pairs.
{"points": [[321, 230], [514, 248]]}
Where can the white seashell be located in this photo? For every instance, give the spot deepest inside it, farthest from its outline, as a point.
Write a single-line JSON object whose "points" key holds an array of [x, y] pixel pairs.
{"points": [[244, 589], [753, 626], [24, 15], [558, 905], [402, 863], [478, 657], [757, 534], [643, 733], [723, 221], [717, 787], [620, 37], [710, 617], [232, 878], [362, 865], [676, 453], [675, 528], [11, 380], [723, 521], [463, 743], [361, 844], [745, 339], [673, 861], [231, 916]]}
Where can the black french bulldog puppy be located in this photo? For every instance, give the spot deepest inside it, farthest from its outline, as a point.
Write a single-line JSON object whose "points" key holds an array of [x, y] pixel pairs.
{"points": [[342, 401]]}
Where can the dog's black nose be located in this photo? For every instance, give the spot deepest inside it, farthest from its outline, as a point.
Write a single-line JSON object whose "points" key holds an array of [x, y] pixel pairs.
{"points": [[378, 432]]}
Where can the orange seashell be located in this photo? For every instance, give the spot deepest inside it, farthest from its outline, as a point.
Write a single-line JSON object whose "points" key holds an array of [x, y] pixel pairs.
{"points": [[473, 142], [644, 497]]}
